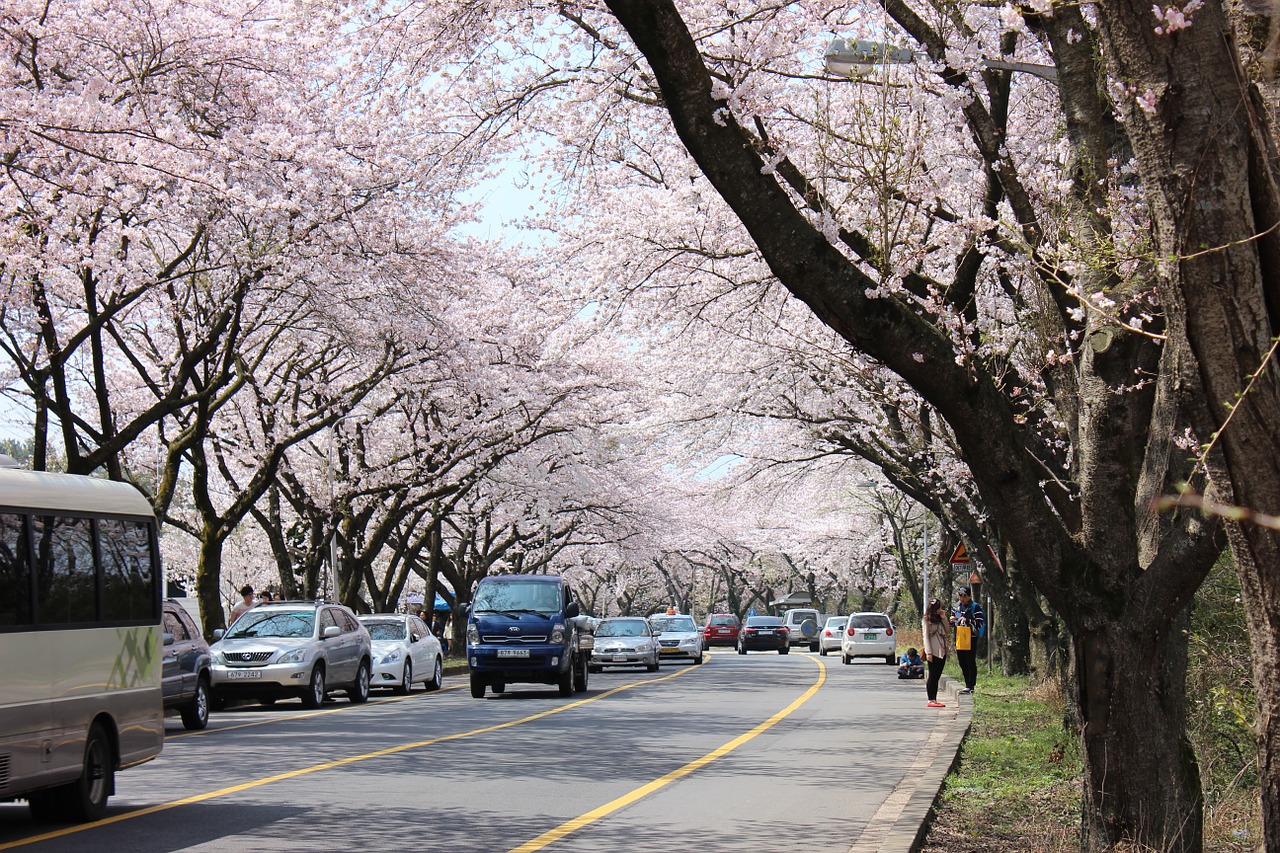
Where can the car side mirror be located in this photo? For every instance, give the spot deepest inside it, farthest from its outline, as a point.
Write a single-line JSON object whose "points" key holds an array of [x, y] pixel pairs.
{"points": [[168, 638], [413, 638], [572, 610], [218, 633], [331, 631]]}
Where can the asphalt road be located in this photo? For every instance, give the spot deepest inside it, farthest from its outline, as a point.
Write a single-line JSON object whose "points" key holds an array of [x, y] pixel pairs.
{"points": [[790, 752]]}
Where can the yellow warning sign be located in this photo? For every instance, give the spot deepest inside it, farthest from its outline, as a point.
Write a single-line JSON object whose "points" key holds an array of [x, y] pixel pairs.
{"points": [[960, 554]]}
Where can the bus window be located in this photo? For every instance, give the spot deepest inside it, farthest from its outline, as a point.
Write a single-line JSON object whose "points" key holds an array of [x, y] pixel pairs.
{"points": [[66, 585], [127, 584], [15, 572]]}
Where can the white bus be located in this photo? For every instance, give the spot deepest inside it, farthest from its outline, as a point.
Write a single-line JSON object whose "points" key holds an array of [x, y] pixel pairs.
{"points": [[80, 640]]}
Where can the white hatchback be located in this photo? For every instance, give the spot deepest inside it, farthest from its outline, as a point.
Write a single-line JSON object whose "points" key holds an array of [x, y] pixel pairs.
{"points": [[832, 635], [869, 635]]}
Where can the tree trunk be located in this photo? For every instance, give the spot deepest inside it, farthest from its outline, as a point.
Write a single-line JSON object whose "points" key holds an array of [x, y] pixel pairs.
{"points": [[208, 579], [1142, 783]]}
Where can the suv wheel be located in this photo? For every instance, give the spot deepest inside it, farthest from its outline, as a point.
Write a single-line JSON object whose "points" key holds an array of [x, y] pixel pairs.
{"points": [[358, 692], [314, 697], [195, 714], [477, 686]]}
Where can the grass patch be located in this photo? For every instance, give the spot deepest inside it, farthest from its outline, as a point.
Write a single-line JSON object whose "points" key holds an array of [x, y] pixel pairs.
{"points": [[1017, 784]]}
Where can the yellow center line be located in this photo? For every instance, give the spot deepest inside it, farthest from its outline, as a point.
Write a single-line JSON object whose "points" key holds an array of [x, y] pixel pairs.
{"points": [[551, 836], [330, 765]]}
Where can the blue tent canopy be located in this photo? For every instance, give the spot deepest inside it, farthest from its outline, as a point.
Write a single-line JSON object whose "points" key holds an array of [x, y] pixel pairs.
{"points": [[441, 604]]}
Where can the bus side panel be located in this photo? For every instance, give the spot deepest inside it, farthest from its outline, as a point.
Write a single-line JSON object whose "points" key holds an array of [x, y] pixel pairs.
{"points": [[110, 672], [27, 728]]}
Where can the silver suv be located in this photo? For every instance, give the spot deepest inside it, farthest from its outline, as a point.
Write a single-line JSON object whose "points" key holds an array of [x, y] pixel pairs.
{"points": [[804, 624], [292, 648]]}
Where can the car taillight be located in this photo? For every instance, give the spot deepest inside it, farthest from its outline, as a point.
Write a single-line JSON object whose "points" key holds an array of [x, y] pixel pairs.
{"points": [[889, 633], [750, 630], [852, 631], [826, 632], [784, 630]]}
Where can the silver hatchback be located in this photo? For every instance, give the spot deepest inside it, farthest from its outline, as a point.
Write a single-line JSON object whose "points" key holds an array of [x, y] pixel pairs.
{"points": [[292, 648]]}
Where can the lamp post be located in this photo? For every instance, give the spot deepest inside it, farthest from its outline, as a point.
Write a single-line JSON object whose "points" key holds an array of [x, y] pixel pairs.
{"points": [[852, 57]]}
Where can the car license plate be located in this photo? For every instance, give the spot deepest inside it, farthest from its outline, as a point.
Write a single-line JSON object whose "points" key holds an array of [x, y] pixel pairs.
{"points": [[513, 653], [871, 636], [621, 658], [244, 673], [670, 651]]}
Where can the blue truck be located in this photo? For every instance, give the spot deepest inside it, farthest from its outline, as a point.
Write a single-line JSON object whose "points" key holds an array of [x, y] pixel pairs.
{"points": [[525, 629]]}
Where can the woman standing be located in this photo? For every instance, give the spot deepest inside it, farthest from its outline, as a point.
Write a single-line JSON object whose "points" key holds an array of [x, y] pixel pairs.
{"points": [[937, 635]]}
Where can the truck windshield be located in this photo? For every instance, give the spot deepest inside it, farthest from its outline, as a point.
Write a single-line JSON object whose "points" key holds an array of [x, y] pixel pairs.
{"points": [[518, 597]]}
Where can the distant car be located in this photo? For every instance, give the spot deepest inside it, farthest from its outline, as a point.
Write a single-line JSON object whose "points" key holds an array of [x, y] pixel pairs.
{"points": [[803, 625], [678, 637], [405, 652], [764, 634], [832, 635], [869, 635], [624, 641], [292, 648], [721, 630], [186, 667]]}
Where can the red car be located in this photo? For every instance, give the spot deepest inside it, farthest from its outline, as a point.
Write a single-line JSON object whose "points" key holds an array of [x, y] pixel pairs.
{"points": [[721, 630]]}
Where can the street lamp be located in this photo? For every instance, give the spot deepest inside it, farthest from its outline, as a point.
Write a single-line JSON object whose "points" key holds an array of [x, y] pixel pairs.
{"points": [[855, 57]]}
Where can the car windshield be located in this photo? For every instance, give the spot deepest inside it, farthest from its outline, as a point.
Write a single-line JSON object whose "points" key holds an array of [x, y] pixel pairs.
{"points": [[274, 623], [518, 597], [385, 630], [724, 620], [763, 622], [673, 624], [622, 628], [869, 620]]}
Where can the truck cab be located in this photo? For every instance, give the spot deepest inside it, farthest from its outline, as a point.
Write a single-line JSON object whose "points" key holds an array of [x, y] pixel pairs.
{"points": [[525, 629]]}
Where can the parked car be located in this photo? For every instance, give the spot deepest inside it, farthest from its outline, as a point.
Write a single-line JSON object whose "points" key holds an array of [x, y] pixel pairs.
{"points": [[292, 648], [185, 667], [869, 635], [678, 636], [405, 652], [832, 634], [721, 630], [764, 634], [803, 626], [624, 641]]}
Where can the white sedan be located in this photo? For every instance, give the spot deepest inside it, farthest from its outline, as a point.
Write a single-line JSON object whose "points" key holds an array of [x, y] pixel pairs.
{"points": [[405, 652], [678, 637], [831, 635]]}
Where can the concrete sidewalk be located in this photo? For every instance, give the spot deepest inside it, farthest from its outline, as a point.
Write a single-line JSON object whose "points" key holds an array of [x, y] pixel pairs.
{"points": [[899, 825]]}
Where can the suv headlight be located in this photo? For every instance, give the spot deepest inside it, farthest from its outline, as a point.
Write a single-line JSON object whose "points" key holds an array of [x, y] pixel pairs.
{"points": [[217, 658], [473, 635], [557, 633], [295, 656]]}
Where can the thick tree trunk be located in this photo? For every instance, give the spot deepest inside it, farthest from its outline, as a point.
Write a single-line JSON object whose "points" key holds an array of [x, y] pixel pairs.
{"points": [[208, 579], [1143, 784]]}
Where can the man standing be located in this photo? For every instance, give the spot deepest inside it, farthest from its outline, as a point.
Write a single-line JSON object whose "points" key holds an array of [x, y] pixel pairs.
{"points": [[971, 623], [246, 595]]}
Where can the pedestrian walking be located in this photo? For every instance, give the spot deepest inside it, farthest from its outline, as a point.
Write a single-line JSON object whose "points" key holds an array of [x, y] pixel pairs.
{"points": [[970, 623], [937, 640]]}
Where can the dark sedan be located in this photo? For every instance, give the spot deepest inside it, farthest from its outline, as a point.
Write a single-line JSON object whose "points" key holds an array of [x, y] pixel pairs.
{"points": [[764, 634]]}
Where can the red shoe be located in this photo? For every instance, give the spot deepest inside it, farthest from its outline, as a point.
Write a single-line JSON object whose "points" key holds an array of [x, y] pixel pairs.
{"points": [[935, 705]]}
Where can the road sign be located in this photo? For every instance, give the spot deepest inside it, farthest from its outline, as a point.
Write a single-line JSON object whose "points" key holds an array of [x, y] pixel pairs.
{"points": [[960, 556]]}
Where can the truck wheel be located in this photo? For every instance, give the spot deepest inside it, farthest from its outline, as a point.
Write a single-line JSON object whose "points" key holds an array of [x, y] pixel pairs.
{"points": [[565, 682], [580, 676], [477, 686]]}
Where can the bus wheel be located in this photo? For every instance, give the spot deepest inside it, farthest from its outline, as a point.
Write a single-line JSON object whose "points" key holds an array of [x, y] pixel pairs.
{"points": [[86, 798]]}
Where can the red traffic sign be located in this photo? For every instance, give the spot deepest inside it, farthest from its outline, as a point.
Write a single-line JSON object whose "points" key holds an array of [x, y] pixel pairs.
{"points": [[960, 555]]}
